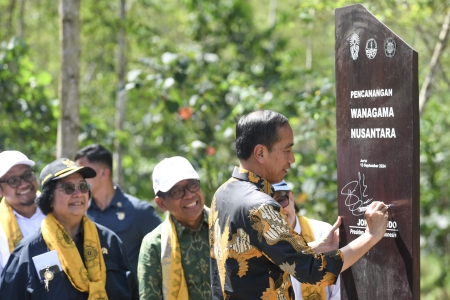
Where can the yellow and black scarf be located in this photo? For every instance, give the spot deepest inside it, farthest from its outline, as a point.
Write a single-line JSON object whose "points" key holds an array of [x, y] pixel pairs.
{"points": [[90, 276], [173, 281], [10, 225]]}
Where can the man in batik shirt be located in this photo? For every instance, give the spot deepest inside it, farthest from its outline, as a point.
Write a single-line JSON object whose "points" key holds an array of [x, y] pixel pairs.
{"points": [[174, 257], [254, 250]]}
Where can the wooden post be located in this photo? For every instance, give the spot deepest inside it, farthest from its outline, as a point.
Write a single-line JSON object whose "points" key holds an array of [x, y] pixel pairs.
{"points": [[377, 120]]}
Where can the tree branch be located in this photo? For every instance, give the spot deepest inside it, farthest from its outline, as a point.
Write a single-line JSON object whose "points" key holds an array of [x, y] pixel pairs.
{"points": [[424, 94]]}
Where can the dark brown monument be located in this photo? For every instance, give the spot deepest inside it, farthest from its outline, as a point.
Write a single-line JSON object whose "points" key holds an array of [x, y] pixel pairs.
{"points": [[377, 120]]}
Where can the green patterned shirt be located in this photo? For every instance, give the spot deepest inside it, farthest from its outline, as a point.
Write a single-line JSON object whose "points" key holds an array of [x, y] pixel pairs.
{"points": [[195, 260]]}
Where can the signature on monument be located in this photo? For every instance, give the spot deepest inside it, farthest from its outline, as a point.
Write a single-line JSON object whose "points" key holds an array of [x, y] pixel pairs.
{"points": [[356, 195]]}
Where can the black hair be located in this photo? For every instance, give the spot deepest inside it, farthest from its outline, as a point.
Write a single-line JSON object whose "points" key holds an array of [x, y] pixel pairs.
{"points": [[96, 153], [258, 127], [45, 200]]}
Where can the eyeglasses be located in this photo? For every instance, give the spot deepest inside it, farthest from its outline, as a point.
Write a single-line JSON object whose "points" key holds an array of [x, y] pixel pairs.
{"points": [[15, 181], [179, 191], [283, 200], [69, 188]]}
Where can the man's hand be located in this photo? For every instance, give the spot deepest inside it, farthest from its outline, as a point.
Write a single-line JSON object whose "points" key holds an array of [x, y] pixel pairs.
{"points": [[377, 219]]}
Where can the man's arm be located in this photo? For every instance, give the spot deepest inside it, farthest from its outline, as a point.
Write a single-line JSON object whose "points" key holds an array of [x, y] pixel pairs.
{"points": [[377, 220], [149, 271]]}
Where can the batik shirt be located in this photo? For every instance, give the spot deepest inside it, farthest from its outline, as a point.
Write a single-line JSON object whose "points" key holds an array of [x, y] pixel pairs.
{"points": [[254, 250], [194, 247]]}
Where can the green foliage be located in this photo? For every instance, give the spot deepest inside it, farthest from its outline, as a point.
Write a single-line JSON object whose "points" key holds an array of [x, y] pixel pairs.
{"points": [[434, 269], [25, 111]]}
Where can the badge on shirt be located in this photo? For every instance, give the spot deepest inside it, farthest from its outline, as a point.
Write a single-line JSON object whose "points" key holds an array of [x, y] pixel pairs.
{"points": [[121, 215], [48, 273]]}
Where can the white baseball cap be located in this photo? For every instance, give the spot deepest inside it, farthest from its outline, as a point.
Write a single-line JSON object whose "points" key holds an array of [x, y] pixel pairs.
{"points": [[281, 186], [11, 158], [170, 171]]}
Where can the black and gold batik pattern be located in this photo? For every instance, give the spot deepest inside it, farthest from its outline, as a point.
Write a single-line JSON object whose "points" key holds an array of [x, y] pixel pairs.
{"points": [[253, 247]]}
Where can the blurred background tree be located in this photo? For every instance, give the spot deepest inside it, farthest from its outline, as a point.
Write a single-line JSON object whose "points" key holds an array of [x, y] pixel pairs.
{"points": [[193, 67]]}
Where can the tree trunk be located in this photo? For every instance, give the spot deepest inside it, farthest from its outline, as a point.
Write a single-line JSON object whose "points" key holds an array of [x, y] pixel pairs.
{"points": [[424, 94], [69, 119], [121, 96], [11, 6], [272, 14], [309, 50], [21, 22]]}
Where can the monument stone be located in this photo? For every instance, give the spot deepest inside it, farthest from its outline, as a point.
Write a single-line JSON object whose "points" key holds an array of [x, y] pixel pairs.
{"points": [[377, 121]]}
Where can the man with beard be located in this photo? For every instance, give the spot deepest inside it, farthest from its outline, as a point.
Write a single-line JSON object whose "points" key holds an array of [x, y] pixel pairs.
{"points": [[19, 213]]}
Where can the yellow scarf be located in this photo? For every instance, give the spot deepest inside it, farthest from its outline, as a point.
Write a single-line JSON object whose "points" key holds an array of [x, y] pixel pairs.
{"points": [[10, 225], [173, 281], [310, 291], [91, 280]]}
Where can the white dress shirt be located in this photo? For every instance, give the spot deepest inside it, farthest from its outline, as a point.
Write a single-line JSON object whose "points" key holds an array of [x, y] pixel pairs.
{"points": [[26, 225]]}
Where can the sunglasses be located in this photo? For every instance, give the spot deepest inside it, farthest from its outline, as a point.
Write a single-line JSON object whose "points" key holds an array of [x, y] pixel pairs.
{"points": [[283, 200], [15, 181], [69, 188], [179, 191]]}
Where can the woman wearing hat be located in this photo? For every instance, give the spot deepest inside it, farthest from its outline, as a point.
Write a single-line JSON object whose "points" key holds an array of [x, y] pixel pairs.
{"points": [[69, 257]]}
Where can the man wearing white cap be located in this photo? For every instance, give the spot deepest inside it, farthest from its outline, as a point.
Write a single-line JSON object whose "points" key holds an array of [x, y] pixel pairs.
{"points": [[19, 213], [174, 257], [311, 230]]}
